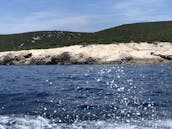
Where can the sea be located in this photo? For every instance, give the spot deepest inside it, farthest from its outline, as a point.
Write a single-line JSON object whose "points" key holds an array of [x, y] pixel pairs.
{"points": [[86, 97]]}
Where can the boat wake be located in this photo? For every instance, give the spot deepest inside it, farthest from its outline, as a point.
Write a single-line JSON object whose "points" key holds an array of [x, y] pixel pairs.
{"points": [[28, 122]]}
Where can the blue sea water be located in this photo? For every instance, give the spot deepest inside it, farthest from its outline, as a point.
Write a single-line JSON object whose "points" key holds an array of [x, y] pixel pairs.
{"points": [[86, 97]]}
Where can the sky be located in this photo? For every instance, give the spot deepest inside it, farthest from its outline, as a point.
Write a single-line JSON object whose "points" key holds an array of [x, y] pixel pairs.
{"points": [[18, 16]]}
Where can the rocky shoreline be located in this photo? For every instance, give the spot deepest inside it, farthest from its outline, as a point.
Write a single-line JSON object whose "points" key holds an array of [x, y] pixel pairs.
{"points": [[121, 53]]}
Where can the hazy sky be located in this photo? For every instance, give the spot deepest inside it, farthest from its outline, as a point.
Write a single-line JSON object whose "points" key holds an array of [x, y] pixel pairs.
{"points": [[78, 15]]}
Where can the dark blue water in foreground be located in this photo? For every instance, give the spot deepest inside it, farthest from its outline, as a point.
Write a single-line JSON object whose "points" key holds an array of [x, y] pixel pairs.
{"points": [[86, 97]]}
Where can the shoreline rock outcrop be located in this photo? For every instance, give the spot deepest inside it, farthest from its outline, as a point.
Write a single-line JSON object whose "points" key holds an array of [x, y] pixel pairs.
{"points": [[121, 53]]}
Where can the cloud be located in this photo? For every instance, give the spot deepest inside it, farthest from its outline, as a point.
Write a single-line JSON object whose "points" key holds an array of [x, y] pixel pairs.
{"points": [[43, 21], [52, 20], [131, 3], [142, 10], [88, 17]]}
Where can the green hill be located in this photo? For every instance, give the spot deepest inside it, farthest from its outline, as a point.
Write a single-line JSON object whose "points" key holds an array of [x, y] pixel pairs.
{"points": [[138, 32]]}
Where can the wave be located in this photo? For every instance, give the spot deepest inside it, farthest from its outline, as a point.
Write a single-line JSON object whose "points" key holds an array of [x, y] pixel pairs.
{"points": [[28, 122]]}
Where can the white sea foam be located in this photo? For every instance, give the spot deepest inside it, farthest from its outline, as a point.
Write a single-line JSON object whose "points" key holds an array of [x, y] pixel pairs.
{"points": [[11, 122]]}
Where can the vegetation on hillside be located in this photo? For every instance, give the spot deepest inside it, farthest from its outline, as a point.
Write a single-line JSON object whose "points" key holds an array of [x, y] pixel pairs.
{"points": [[138, 32]]}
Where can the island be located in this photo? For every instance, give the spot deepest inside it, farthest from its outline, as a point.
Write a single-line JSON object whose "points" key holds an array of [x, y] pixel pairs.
{"points": [[139, 43]]}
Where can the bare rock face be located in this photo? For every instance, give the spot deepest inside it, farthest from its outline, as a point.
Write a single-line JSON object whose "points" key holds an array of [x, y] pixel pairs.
{"points": [[166, 57], [125, 58], [63, 58], [88, 60], [11, 59], [7, 60], [28, 55], [132, 53], [40, 60], [27, 58], [81, 59], [66, 58]]}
